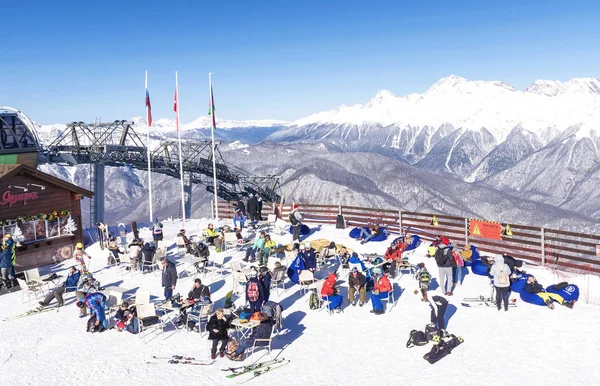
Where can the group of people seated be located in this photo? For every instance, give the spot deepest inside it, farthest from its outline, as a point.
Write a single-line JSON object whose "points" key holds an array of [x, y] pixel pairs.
{"points": [[261, 249]]}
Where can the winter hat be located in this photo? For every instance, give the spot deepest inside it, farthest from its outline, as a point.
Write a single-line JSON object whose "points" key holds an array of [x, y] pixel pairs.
{"points": [[354, 254], [377, 271], [354, 269], [296, 206], [277, 264], [253, 272], [307, 245], [263, 269]]}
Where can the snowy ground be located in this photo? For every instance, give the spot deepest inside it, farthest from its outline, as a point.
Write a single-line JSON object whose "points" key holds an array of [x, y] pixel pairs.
{"points": [[529, 343]]}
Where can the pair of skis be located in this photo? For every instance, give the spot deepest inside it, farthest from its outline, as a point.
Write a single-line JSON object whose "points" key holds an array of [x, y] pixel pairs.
{"points": [[482, 301], [35, 311], [256, 369], [181, 360]]}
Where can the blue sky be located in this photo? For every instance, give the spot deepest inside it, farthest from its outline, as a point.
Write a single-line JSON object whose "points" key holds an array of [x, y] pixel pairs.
{"points": [[69, 61]]}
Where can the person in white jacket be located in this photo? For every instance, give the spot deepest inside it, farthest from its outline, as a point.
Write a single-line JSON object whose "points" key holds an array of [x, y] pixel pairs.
{"points": [[500, 272]]}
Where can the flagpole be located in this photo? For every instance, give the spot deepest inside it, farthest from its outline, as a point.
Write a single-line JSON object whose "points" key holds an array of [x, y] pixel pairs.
{"points": [[179, 142], [212, 132], [149, 122]]}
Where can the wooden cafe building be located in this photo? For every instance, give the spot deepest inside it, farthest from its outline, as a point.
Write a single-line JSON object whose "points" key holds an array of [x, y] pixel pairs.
{"points": [[41, 212]]}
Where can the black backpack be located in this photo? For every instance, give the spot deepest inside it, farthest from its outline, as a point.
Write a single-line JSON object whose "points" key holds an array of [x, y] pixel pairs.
{"points": [[417, 338], [293, 219]]}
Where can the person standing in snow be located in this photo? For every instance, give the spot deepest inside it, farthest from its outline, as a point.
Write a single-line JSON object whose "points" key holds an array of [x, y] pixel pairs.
{"points": [[265, 280], [240, 206], [252, 207], [500, 273], [255, 294], [295, 218], [309, 256], [443, 259], [438, 305], [96, 303], [260, 206], [79, 255], [239, 218], [169, 277]]}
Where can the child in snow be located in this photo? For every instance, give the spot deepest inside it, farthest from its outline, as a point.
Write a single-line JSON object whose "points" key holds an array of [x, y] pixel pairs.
{"points": [[79, 254], [125, 319], [217, 327]]}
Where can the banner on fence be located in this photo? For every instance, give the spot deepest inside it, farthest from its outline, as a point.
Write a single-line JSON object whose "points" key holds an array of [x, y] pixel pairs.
{"points": [[485, 229]]}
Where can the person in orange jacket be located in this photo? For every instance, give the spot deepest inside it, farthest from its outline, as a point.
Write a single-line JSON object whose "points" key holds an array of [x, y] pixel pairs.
{"points": [[392, 256], [330, 291], [381, 289]]}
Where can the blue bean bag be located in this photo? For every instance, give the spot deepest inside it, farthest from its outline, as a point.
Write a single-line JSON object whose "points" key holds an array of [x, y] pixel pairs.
{"points": [[475, 256], [569, 293], [415, 242], [304, 229], [519, 286], [355, 233], [478, 268]]}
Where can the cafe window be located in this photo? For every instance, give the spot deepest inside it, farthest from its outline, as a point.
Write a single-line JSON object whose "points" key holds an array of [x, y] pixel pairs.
{"points": [[36, 230]]}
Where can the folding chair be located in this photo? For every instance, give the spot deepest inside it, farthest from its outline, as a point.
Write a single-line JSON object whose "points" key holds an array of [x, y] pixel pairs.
{"points": [[200, 317], [391, 300], [324, 303], [230, 240], [306, 278], [262, 343], [112, 303], [32, 276], [148, 320], [126, 263], [239, 280], [218, 265], [141, 297], [29, 289], [271, 219], [277, 279], [181, 245], [290, 256], [154, 264]]}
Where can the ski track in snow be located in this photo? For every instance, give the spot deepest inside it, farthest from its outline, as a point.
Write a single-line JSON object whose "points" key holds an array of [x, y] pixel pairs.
{"points": [[532, 342]]}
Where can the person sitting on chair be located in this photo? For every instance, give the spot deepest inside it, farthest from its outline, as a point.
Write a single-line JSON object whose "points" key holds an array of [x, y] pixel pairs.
{"points": [[393, 256], [113, 249], [309, 256], [357, 282], [189, 247], [135, 249], [217, 327], [327, 253], [258, 245], [199, 291], [330, 292], [263, 255], [263, 331], [211, 234], [533, 287], [381, 289], [69, 285], [147, 256]]}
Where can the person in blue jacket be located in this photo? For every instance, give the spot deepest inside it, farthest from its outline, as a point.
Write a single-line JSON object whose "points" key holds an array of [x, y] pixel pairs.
{"points": [[6, 266], [255, 293], [70, 284], [95, 302], [239, 217], [309, 256], [12, 246], [265, 281]]}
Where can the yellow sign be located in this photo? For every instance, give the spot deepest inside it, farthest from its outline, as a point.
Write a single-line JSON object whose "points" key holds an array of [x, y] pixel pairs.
{"points": [[506, 231], [434, 222], [476, 231]]}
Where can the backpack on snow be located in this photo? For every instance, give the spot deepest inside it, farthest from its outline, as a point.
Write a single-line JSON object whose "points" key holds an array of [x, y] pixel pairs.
{"points": [[314, 302], [417, 338], [253, 293], [157, 230]]}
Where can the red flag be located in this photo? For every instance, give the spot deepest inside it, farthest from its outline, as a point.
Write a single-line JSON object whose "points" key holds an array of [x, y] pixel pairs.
{"points": [[149, 108], [175, 107]]}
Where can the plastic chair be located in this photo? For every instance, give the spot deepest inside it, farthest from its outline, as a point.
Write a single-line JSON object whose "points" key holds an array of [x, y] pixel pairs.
{"points": [[29, 289], [263, 343], [306, 278], [239, 280]]}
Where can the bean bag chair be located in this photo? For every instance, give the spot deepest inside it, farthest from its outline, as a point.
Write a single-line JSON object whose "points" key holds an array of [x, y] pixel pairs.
{"points": [[478, 268], [304, 229], [569, 292], [415, 242], [294, 270], [519, 286], [474, 256], [355, 233]]}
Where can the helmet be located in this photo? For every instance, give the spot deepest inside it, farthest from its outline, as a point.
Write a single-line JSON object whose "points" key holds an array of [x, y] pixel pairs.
{"points": [[7, 236], [79, 246], [377, 271]]}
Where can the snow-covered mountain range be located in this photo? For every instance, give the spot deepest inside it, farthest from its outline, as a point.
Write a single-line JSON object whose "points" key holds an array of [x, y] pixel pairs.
{"points": [[488, 140]]}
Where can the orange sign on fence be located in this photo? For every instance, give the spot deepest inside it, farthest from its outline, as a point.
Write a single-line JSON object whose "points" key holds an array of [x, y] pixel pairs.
{"points": [[485, 229]]}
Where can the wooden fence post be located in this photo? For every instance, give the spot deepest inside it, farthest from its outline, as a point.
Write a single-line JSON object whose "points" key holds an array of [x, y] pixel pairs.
{"points": [[543, 249], [212, 208], [466, 231], [400, 221]]}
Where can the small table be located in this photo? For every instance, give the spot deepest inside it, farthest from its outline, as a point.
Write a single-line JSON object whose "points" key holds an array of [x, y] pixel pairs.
{"points": [[189, 262], [244, 328]]}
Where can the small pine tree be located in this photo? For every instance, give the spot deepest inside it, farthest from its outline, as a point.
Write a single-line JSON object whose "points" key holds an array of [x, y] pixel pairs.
{"points": [[70, 226]]}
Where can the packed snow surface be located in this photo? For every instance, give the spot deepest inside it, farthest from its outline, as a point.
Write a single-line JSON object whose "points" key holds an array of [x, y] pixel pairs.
{"points": [[529, 342]]}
